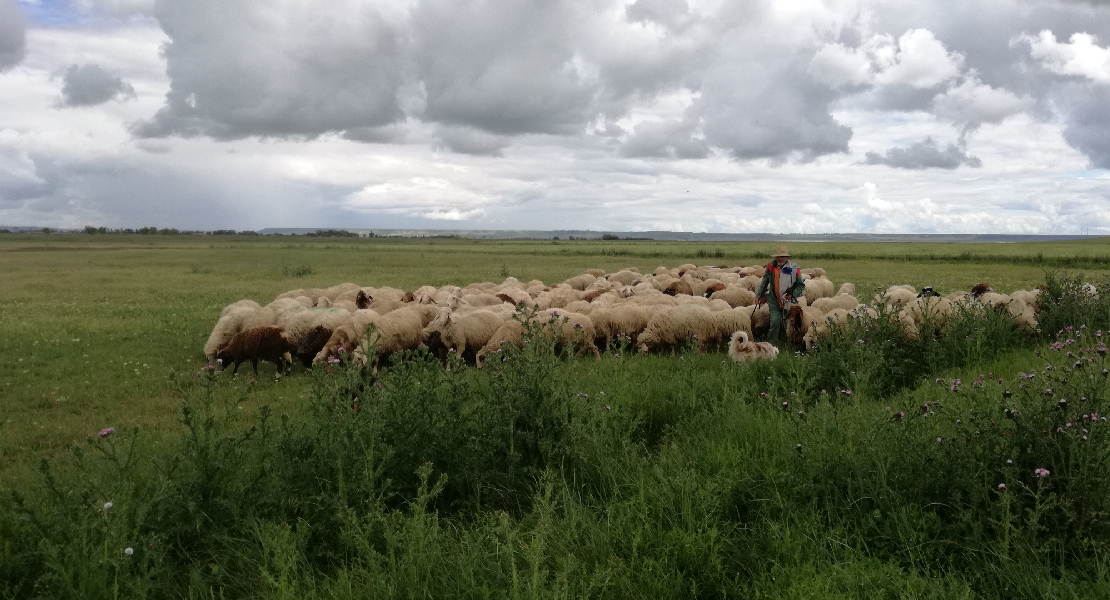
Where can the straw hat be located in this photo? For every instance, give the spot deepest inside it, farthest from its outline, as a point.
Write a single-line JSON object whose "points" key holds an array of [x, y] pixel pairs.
{"points": [[780, 251]]}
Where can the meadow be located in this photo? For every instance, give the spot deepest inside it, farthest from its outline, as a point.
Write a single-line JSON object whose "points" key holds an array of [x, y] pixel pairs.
{"points": [[634, 476]]}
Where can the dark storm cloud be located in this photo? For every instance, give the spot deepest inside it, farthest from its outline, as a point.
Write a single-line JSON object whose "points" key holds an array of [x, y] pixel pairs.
{"points": [[925, 154], [88, 85], [485, 71], [286, 69], [504, 66], [13, 36], [769, 109]]}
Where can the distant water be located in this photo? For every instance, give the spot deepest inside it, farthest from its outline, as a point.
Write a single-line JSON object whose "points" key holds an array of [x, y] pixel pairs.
{"points": [[681, 236]]}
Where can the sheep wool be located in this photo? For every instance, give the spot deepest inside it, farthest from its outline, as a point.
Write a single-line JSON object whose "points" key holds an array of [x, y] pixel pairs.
{"points": [[259, 343]]}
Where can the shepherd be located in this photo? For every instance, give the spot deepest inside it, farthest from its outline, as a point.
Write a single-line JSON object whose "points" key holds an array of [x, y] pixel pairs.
{"points": [[784, 279]]}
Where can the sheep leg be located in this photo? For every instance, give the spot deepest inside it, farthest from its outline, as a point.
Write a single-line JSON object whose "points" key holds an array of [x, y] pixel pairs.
{"points": [[254, 362]]}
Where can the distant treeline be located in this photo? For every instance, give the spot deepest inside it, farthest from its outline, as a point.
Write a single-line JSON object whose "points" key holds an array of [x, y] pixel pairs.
{"points": [[724, 256]]}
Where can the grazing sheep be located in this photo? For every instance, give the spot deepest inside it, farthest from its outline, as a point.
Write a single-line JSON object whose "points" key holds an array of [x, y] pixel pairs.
{"points": [[896, 296], [311, 344], [678, 286], [625, 277], [396, 331], [735, 295], [843, 301], [510, 332], [575, 328], [761, 321], [1027, 319], [234, 321], [817, 287], [740, 350], [251, 304], [672, 326], [480, 300], [1030, 298], [981, 288], [718, 305], [751, 283], [937, 311], [513, 296], [823, 327], [581, 282], [579, 306], [725, 324], [627, 319], [557, 298], [706, 287], [255, 344], [846, 289], [464, 332], [800, 320], [296, 324]]}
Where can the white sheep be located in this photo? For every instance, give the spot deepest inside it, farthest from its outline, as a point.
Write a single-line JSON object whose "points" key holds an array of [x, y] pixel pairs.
{"points": [[735, 295], [464, 332], [843, 301], [817, 287], [674, 325], [235, 320]]}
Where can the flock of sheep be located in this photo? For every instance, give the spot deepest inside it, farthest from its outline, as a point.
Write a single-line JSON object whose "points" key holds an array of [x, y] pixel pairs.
{"points": [[666, 308]]}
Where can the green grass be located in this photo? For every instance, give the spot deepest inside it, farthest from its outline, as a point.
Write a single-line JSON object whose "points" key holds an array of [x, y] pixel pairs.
{"points": [[688, 484], [93, 325]]}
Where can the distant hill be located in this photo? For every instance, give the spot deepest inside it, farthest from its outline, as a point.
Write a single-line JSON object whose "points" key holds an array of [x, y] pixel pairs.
{"points": [[681, 236]]}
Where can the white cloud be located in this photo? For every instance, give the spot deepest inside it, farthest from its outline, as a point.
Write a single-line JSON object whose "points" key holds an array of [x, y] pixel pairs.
{"points": [[973, 101], [920, 61], [917, 59], [1081, 56]]}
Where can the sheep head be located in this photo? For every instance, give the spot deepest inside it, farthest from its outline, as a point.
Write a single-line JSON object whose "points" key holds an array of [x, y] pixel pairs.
{"points": [[980, 289]]}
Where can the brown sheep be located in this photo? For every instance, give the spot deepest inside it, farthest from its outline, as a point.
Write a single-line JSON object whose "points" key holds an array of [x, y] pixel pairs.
{"points": [[679, 286], [312, 344], [259, 343]]}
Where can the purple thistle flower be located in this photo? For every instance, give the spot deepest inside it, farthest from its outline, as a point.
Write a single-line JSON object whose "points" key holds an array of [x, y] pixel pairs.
{"points": [[1002, 486], [1042, 472], [107, 431]]}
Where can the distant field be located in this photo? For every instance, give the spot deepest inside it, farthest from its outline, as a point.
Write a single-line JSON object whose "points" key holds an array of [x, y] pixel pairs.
{"points": [[93, 325]]}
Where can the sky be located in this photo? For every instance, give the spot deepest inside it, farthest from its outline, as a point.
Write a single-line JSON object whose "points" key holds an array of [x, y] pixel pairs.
{"points": [[779, 116]]}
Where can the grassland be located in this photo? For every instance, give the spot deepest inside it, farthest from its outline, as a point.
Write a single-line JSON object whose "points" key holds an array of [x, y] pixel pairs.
{"points": [[94, 324], [99, 331]]}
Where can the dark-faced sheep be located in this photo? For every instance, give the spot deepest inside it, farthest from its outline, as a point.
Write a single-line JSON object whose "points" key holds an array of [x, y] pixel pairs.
{"points": [[259, 343]]}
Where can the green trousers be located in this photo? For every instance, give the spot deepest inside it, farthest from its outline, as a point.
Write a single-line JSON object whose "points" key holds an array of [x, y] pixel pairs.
{"points": [[777, 334]]}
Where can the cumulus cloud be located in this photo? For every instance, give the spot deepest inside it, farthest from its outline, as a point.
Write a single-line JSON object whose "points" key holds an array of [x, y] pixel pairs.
{"points": [[468, 140], [917, 59], [88, 85], [665, 139], [1081, 56], [13, 34], [276, 68], [926, 154], [1088, 122], [973, 102]]}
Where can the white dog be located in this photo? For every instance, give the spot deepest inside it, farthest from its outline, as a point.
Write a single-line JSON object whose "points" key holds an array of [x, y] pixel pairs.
{"points": [[742, 351]]}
